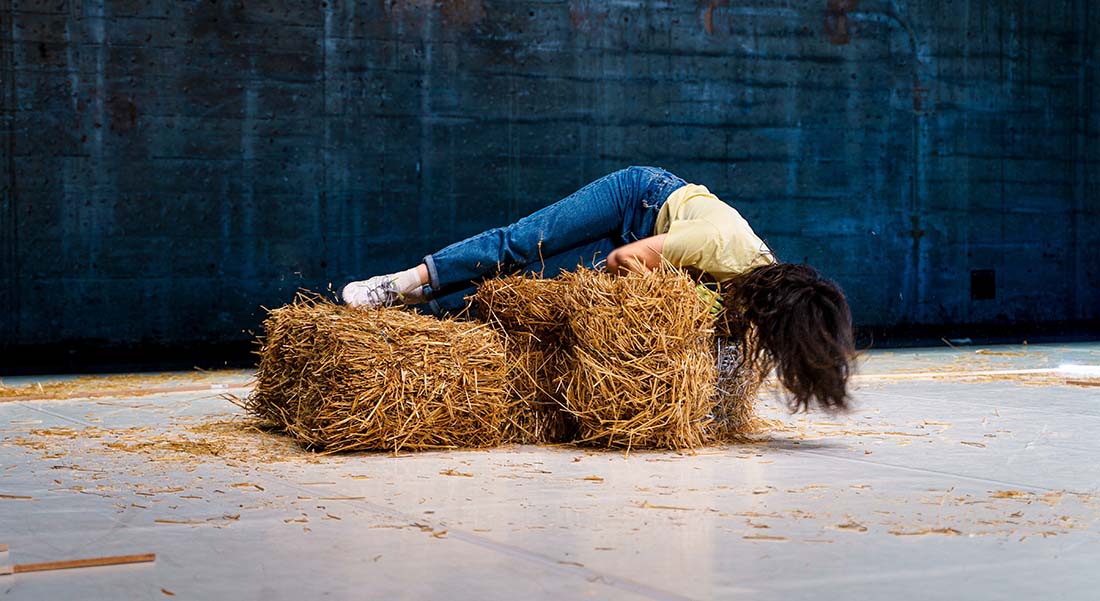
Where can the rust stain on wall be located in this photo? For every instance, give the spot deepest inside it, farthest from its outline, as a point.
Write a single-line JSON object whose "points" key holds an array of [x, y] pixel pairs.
{"points": [[583, 17], [920, 95], [707, 13], [463, 13], [836, 21], [915, 232], [458, 13]]}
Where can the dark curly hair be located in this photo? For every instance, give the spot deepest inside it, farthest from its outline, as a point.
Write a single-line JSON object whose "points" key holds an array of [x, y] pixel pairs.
{"points": [[789, 317]]}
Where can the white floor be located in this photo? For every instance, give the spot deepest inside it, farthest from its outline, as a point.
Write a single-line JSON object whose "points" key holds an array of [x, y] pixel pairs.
{"points": [[941, 487]]}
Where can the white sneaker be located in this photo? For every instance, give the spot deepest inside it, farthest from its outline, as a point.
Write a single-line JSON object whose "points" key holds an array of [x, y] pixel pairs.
{"points": [[378, 291]]}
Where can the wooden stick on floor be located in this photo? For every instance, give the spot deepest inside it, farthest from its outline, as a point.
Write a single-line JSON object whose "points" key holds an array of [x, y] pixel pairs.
{"points": [[77, 563], [3, 548]]}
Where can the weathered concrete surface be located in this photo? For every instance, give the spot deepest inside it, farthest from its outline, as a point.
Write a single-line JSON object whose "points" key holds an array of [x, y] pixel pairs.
{"points": [[169, 167]]}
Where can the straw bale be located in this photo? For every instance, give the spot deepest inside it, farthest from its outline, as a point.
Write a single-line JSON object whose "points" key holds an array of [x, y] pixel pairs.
{"points": [[643, 399], [641, 369], [521, 303], [656, 310], [737, 386], [631, 355], [339, 379], [535, 370], [526, 310]]}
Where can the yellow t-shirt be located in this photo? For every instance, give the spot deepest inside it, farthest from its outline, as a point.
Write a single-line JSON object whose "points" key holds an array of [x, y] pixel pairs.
{"points": [[708, 234]]}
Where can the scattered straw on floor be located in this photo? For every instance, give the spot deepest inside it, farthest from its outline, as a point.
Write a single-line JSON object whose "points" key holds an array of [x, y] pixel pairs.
{"points": [[129, 385], [339, 379]]}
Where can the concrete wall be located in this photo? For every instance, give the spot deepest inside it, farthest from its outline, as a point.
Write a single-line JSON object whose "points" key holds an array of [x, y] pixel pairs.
{"points": [[169, 167]]}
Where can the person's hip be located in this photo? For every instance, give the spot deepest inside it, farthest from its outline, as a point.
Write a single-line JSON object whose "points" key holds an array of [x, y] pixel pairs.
{"points": [[656, 185]]}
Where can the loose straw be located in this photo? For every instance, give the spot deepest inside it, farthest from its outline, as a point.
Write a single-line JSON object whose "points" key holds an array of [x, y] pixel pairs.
{"points": [[77, 563]]}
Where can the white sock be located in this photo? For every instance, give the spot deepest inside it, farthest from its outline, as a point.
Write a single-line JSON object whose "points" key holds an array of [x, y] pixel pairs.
{"points": [[408, 284]]}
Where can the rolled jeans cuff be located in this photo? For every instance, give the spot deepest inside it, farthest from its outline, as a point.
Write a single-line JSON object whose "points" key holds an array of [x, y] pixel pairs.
{"points": [[433, 285], [433, 275]]}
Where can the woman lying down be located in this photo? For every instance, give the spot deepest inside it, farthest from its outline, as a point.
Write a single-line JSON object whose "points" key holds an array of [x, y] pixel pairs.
{"points": [[639, 218]]}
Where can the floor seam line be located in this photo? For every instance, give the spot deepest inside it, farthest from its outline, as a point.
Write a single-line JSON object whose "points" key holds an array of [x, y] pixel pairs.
{"points": [[973, 404], [936, 472], [62, 416], [588, 574]]}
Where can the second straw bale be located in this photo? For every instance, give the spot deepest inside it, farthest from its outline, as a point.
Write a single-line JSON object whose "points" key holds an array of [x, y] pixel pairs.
{"points": [[527, 311], [641, 372]]}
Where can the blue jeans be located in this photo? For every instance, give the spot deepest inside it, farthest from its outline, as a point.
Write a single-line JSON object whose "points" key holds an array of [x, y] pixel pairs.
{"points": [[577, 231]]}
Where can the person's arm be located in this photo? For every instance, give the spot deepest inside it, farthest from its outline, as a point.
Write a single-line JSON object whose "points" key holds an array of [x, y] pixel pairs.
{"points": [[638, 257]]}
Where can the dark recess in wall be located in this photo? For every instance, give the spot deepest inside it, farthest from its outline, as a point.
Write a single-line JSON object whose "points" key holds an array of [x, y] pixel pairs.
{"points": [[983, 284]]}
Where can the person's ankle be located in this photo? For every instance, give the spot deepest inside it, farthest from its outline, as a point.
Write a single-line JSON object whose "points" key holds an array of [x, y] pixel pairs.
{"points": [[407, 283], [415, 296]]}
